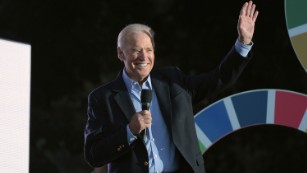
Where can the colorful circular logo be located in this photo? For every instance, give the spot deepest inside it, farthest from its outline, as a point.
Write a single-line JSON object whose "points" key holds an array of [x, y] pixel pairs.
{"points": [[296, 16], [250, 108]]}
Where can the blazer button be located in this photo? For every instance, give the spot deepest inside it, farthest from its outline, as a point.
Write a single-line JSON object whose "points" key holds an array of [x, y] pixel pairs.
{"points": [[145, 163]]}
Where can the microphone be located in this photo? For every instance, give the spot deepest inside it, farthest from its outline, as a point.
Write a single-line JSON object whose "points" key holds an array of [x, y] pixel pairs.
{"points": [[146, 96]]}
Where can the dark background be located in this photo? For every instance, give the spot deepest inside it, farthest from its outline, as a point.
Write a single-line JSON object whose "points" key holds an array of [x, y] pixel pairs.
{"points": [[74, 51]]}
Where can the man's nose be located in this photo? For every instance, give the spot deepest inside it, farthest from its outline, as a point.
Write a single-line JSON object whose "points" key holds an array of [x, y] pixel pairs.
{"points": [[142, 54]]}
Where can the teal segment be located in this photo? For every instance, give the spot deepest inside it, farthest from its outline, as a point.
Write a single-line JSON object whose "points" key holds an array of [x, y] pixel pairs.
{"points": [[201, 146], [214, 121], [251, 107], [296, 13]]}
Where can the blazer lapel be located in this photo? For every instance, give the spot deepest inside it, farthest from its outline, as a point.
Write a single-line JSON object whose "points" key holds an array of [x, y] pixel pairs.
{"points": [[123, 100], [163, 96], [122, 97]]}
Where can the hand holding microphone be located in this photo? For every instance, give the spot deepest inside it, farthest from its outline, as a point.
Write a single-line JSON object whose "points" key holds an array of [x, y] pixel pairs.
{"points": [[142, 120]]}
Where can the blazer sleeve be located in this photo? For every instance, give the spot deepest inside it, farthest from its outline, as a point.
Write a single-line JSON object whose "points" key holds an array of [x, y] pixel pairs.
{"points": [[209, 84]]}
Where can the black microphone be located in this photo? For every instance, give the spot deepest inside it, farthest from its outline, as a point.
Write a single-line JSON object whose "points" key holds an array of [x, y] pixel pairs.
{"points": [[146, 96]]}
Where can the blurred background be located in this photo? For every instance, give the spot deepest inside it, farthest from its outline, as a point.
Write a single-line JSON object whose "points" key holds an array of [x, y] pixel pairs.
{"points": [[74, 51]]}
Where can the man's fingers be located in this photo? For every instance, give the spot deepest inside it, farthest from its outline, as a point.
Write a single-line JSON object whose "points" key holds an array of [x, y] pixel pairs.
{"points": [[243, 9], [248, 9], [140, 121], [255, 16], [252, 11], [147, 120]]}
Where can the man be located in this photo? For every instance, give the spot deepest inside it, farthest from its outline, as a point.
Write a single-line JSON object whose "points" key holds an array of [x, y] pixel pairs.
{"points": [[163, 139]]}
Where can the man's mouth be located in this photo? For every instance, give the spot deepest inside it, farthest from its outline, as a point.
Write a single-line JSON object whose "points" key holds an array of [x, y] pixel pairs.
{"points": [[141, 65]]}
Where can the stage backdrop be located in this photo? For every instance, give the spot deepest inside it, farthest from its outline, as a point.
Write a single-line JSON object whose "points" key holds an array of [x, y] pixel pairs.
{"points": [[297, 27], [265, 106], [15, 61]]}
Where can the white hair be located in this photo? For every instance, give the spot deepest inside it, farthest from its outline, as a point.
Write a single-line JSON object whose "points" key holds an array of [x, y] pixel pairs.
{"points": [[134, 28]]}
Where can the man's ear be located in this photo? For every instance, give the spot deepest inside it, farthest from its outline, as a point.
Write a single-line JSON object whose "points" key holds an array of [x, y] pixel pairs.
{"points": [[120, 54]]}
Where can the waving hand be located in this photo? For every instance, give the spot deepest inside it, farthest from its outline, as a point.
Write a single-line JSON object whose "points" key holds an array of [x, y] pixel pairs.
{"points": [[246, 23]]}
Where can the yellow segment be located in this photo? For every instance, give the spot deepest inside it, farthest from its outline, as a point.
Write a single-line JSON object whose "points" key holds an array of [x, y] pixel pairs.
{"points": [[299, 44]]}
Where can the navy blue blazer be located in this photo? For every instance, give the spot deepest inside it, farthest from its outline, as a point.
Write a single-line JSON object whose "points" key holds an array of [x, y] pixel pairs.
{"points": [[110, 109]]}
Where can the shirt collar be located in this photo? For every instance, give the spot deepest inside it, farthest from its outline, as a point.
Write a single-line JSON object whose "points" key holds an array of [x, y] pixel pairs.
{"points": [[131, 84]]}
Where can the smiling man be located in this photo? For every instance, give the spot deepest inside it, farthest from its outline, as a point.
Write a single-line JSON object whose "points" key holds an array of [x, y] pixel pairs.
{"points": [[114, 133], [135, 49]]}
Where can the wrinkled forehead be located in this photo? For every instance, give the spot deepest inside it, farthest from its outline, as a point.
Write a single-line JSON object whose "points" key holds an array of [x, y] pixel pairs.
{"points": [[133, 36]]}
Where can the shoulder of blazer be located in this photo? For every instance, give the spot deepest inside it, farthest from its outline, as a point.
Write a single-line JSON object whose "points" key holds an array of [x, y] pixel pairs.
{"points": [[114, 86], [168, 74]]}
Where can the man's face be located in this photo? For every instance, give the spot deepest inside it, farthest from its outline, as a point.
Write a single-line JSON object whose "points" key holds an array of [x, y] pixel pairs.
{"points": [[137, 55]]}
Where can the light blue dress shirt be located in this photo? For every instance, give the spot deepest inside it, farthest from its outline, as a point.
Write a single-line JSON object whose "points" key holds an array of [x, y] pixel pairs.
{"points": [[160, 148]]}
